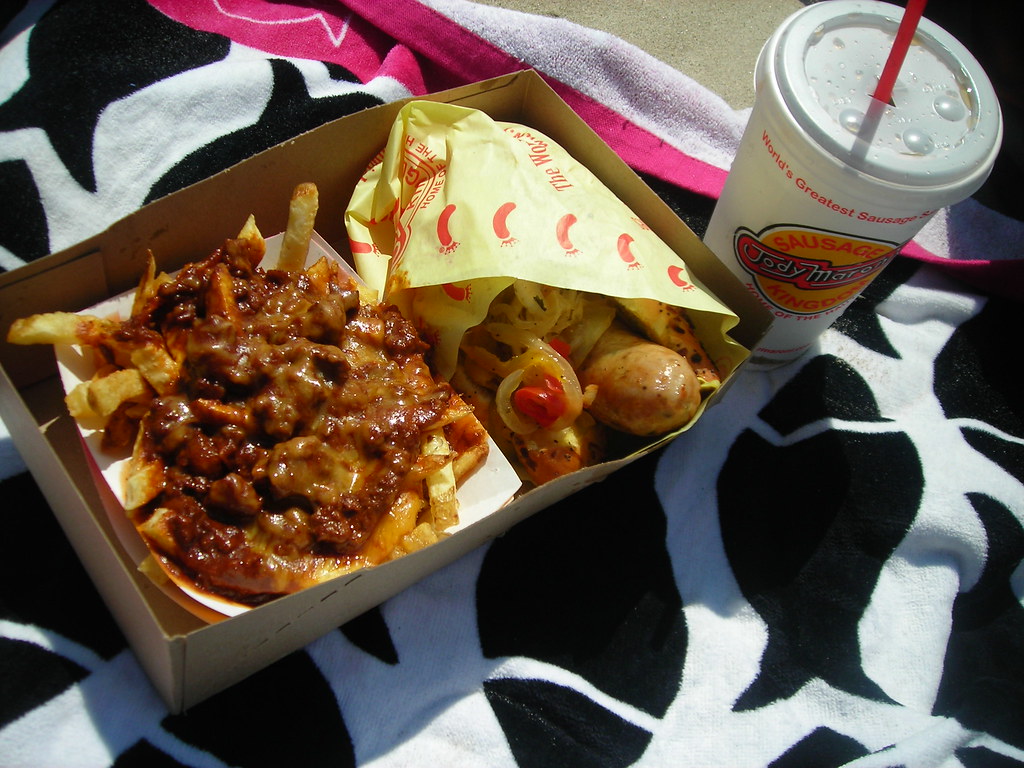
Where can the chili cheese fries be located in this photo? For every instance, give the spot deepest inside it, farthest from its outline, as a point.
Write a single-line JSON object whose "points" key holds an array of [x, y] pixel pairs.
{"points": [[283, 428]]}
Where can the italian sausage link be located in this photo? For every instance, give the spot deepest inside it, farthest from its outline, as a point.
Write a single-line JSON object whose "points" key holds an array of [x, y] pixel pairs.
{"points": [[642, 388]]}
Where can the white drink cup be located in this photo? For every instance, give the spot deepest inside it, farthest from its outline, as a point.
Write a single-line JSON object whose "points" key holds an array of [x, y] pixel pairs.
{"points": [[828, 183]]}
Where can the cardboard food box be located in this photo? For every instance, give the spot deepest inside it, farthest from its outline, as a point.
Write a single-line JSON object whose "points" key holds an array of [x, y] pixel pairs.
{"points": [[187, 658]]}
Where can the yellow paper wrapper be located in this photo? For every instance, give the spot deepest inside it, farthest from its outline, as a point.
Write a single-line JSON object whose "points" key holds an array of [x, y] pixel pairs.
{"points": [[457, 206]]}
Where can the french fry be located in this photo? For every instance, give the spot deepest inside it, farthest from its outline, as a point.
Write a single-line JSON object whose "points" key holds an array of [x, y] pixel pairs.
{"points": [[143, 478], [301, 216], [158, 368], [77, 401], [443, 507], [107, 393], [176, 341], [149, 284], [220, 299], [57, 328], [249, 244], [156, 527], [420, 537], [468, 440], [395, 524], [321, 273], [122, 426]]}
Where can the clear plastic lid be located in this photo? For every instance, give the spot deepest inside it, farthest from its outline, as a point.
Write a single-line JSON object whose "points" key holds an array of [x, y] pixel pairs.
{"points": [[943, 126]]}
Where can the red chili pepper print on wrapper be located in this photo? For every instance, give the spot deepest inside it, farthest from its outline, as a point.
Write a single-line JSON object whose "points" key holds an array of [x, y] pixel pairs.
{"points": [[444, 235], [562, 234], [500, 223], [678, 277], [625, 252], [457, 292]]}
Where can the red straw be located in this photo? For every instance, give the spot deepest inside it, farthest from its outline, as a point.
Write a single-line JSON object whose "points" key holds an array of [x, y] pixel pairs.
{"points": [[905, 33]]}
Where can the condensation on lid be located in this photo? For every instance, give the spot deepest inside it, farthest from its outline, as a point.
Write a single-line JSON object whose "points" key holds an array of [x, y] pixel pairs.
{"points": [[943, 124]]}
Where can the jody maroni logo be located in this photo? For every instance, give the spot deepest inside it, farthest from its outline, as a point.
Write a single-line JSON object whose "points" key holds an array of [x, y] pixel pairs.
{"points": [[807, 271]]}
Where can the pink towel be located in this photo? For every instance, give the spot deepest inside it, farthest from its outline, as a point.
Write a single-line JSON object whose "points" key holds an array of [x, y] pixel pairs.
{"points": [[659, 120]]}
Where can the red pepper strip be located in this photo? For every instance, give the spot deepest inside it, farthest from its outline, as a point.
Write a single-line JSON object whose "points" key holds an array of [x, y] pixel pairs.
{"points": [[542, 404], [560, 347]]}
